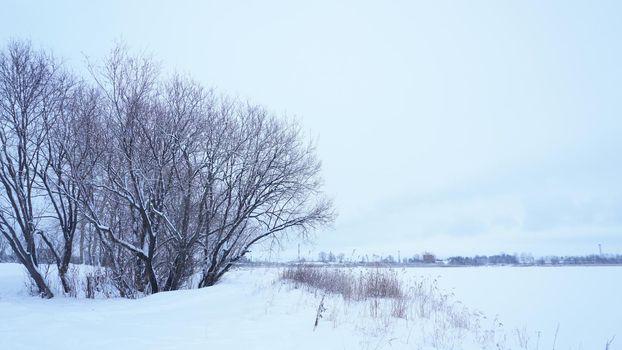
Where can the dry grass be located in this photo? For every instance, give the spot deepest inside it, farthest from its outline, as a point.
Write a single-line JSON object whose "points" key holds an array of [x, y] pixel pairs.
{"points": [[376, 283], [391, 301]]}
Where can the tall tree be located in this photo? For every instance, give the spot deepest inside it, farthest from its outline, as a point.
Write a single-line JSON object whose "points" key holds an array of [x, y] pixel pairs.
{"points": [[68, 157], [159, 177], [27, 88]]}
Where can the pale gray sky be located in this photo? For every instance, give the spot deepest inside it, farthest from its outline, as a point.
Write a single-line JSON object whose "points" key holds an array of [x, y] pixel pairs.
{"points": [[458, 127]]}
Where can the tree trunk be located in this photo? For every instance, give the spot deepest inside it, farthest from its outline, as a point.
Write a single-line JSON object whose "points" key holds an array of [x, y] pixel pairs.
{"points": [[209, 279], [44, 290], [25, 259], [82, 229], [174, 278], [64, 266], [153, 281]]}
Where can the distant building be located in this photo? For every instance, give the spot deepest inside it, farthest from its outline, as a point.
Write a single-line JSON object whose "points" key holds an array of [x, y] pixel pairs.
{"points": [[429, 258]]}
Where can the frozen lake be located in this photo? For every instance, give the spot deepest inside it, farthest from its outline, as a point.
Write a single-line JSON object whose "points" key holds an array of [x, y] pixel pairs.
{"points": [[585, 302]]}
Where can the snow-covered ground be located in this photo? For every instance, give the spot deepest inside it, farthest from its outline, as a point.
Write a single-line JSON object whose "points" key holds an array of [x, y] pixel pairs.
{"points": [[240, 313], [251, 310]]}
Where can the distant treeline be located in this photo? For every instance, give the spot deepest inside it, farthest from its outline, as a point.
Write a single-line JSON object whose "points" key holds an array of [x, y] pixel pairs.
{"points": [[478, 260], [505, 259], [427, 258]]}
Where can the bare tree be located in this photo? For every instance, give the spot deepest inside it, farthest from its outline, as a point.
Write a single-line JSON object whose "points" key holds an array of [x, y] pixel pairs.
{"points": [[26, 85], [269, 185], [135, 166], [159, 178], [188, 105], [67, 156]]}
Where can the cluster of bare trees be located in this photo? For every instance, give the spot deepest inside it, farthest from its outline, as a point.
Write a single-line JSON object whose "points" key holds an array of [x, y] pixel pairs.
{"points": [[154, 178]]}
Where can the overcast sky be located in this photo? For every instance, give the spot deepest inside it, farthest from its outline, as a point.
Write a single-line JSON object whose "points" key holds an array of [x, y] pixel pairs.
{"points": [[457, 127]]}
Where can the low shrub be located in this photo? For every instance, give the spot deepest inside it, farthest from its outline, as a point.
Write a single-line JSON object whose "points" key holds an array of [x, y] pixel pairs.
{"points": [[377, 283]]}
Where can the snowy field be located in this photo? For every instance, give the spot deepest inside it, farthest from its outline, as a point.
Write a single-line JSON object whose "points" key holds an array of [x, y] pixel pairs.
{"points": [[584, 301], [251, 309]]}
